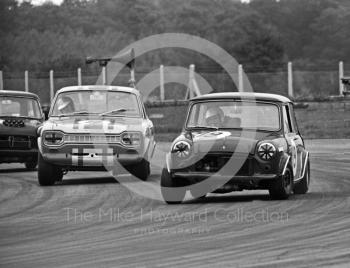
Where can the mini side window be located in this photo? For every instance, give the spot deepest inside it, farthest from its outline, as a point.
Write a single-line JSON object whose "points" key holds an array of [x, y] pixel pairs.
{"points": [[287, 124], [293, 118]]}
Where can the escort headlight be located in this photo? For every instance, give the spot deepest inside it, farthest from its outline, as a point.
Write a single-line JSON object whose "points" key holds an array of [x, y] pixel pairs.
{"points": [[266, 151], [181, 149], [39, 130], [53, 137], [131, 138]]}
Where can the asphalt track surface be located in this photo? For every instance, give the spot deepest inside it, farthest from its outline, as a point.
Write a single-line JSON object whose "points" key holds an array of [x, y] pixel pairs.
{"points": [[90, 220]]}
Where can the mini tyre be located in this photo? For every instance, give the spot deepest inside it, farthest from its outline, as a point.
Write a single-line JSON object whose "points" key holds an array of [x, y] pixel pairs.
{"points": [[141, 170], [172, 193], [197, 195], [302, 186], [282, 188]]}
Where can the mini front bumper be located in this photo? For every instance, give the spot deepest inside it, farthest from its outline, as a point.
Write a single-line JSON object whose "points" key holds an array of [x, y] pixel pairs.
{"points": [[225, 183], [205, 175]]}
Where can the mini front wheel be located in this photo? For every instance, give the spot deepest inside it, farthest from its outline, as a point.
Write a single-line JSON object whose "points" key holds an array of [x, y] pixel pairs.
{"points": [[171, 192], [141, 170], [283, 186], [303, 185]]}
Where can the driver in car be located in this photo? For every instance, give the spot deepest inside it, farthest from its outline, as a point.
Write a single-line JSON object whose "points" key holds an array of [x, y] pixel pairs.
{"points": [[214, 117], [66, 105]]}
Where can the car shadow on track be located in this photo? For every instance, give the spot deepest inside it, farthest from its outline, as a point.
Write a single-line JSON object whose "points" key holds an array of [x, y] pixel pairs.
{"points": [[229, 199], [16, 170], [98, 180], [324, 195], [85, 181]]}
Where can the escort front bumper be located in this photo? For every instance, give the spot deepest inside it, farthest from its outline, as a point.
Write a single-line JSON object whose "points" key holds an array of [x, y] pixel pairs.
{"points": [[91, 155]]}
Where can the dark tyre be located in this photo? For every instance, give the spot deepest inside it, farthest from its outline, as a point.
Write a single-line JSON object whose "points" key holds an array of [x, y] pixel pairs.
{"points": [[172, 193], [140, 170], [282, 188], [303, 185], [31, 165], [48, 173]]}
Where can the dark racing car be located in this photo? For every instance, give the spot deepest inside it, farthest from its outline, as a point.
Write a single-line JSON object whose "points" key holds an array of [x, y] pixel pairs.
{"points": [[20, 116], [237, 141]]}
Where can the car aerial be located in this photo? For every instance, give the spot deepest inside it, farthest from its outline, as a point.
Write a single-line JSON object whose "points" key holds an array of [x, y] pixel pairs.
{"points": [[93, 128], [237, 141], [20, 116]]}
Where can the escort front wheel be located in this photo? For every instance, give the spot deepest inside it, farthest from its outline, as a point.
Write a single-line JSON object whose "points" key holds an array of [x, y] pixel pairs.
{"points": [[48, 173]]}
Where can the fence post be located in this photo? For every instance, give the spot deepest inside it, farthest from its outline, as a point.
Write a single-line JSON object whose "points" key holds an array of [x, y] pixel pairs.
{"points": [[195, 87], [79, 77], [191, 77], [104, 75], [240, 78], [290, 80], [341, 75], [1, 81], [26, 81], [52, 89], [161, 70]]}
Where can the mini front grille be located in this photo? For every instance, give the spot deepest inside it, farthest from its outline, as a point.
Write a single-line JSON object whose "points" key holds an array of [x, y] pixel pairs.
{"points": [[214, 163], [73, 138]]}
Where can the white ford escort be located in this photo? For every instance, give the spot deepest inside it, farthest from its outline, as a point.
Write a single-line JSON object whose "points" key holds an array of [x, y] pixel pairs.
{"points": [[93, 128]]}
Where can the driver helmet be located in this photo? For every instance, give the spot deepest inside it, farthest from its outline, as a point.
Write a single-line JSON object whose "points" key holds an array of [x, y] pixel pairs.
{"points": [[214, 114], [64, 103]]}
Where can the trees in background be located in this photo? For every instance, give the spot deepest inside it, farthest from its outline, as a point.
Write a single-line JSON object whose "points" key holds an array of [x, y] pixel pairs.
{"points": [[262, 33]]}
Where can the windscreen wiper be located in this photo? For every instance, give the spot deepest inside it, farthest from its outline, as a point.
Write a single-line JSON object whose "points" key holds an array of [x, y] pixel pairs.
{"points": [[117, 111], [75, 113], [204, 127]]}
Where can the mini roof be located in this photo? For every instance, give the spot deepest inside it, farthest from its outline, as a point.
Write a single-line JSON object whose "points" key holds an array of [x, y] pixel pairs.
{"points": [[243, 95], [18, 94], [99, 87]]}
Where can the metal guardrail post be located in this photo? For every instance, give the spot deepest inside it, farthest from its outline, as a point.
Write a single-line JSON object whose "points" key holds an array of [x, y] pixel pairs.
{"points": [[341, 75], [79, 77], [104, 75], [26, 81], [1, 81], [240, 78], [161, 70], [290, 80], [52, 86]]}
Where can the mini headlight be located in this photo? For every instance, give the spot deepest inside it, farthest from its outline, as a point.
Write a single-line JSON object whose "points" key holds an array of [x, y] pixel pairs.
{"points": [[131, 138], [53, 137], [181, 148], [266, 150]]}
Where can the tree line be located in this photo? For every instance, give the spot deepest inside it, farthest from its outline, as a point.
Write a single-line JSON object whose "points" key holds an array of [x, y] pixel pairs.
{"points": [[262, 34]]}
